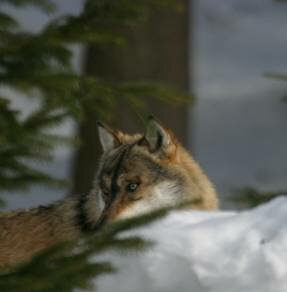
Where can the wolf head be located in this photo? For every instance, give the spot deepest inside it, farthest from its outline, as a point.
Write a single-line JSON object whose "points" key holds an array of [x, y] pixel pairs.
{"points": [[144, 172]]}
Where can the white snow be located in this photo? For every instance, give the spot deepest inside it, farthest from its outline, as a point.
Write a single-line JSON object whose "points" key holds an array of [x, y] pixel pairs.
{"points": [[208, 251]]}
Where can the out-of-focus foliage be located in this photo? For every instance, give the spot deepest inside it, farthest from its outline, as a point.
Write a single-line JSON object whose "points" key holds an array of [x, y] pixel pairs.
{"points": [[39, 64], [21, 140], [249, 197], [76, 265], [279, 77]]}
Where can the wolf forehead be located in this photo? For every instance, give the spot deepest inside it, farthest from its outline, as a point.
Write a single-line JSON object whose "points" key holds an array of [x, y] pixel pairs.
{"points": [[135, 161]]}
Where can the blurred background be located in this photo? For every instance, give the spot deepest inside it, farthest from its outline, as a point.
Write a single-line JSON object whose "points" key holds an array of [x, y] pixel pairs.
{"points": [[214, 72]]}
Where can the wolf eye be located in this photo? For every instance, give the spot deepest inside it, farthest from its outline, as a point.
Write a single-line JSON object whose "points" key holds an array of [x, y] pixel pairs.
{"points": [[132, 187]]}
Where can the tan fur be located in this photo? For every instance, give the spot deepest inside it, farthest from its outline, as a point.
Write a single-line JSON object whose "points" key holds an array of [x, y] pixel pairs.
{"points": [[25, 233], [186, 181], [200, 190], [165, 177]]}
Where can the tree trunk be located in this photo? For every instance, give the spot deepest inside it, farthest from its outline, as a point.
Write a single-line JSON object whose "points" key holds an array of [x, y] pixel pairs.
{"points": [[158, 51]]}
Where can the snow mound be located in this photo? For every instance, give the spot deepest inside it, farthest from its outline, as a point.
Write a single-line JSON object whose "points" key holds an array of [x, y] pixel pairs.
{"points": [[208, 251]]}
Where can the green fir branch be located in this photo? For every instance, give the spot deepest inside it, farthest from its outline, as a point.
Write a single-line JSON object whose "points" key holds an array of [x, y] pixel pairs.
{"points": [[7, 22], [250, 197], [77, 264]]}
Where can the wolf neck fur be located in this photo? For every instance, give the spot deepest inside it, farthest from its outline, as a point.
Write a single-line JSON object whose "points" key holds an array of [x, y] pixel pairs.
{"points": [[198, 182], [27, 232]]}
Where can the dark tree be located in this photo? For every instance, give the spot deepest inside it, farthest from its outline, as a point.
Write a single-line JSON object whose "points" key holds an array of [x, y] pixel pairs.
{"points": [[156, 51]]}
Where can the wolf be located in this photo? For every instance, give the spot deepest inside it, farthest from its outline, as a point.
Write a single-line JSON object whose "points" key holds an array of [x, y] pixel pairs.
{"points": [[144, 172], [136, 174]]}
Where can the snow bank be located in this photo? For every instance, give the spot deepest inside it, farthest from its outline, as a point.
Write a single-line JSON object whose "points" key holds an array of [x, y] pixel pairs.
{"points": [[208, 251]]}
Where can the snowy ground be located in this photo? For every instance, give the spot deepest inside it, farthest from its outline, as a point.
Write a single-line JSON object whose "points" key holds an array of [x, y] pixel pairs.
{"points": [[200, 251]]}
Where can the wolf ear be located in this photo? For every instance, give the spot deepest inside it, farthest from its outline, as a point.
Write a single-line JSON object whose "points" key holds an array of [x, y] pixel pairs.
{"points": [[157, 136], [108, 137]]}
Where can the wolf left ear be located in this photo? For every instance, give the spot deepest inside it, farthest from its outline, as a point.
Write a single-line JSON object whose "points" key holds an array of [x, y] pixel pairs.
{"points": [[157, 136], [108, 137]]}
